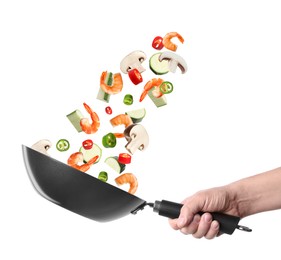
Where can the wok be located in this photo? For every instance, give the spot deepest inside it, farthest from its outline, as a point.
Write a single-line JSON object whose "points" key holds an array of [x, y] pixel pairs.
{"points": [[86, 195]]}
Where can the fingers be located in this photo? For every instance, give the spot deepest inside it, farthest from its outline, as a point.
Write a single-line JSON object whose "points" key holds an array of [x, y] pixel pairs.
{"points": [[199, 227], [207, 227], [192, 227], [213, 231], [185, 218]]}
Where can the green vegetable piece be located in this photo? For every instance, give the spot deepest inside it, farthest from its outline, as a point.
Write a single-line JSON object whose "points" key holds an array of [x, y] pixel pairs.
{"points": [[137, 115], [113, 163], [109, 140], [166, 87], [159, 102], [103, 176], [62, 145], [109, 78], [158, 67], [91, 153], [103, 96], [128, 99], [75, 118]]}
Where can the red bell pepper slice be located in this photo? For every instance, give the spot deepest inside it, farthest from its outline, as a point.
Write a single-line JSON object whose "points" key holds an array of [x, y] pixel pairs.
{"points": [[158, 43], [135, 76], [124, 158], [87, 144]]}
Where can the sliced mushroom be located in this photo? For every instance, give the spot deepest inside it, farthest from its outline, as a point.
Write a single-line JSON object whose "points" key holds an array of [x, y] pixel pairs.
{"points": [[174, 61], [133, 61], [137, 138], [42, 146]]}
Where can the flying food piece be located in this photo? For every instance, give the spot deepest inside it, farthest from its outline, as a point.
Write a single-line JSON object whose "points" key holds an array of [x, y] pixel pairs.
{"points": [[137, 138], [42, 146], [175, 61], [133, 60]]}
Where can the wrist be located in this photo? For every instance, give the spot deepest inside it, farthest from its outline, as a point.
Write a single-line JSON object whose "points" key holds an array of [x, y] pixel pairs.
{"points": [[240, 203]]}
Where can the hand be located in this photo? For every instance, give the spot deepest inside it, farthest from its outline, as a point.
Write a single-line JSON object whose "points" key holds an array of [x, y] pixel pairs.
{"points": [[211, 200]]}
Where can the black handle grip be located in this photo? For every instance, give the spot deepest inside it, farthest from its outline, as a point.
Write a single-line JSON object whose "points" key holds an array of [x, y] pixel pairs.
{"points": [[172, 210]]}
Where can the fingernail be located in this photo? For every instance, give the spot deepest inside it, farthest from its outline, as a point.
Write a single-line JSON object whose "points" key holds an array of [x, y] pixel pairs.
{"points": [[207, 218], [181, 222], [215, 225]]}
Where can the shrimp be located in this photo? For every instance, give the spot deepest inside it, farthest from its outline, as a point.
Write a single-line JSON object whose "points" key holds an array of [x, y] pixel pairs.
{"points": [[119, 135], [167, 40], [85, 123], [128, 178], [151, 84], [76, 158], [117, 83], [121, 119]]}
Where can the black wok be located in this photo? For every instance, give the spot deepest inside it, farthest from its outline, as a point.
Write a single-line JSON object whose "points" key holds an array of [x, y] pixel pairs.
{"points": [[88, 196]]}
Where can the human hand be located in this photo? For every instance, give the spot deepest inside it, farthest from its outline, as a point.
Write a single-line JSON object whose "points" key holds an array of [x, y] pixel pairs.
{"points": [[211, 200]]}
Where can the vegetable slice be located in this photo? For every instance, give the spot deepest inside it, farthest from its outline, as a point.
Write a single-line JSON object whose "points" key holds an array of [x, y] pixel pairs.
{"points": [[109, 140], [113, 163], [135, 76], [157, 43], [91, 153], [108, 110], [166, 87], [160, 101], [75, 118], [103, 176], [128, 99], [157, 66], [62, 145], [124, 158], [137, 115], [102, 95], [87, 144]]}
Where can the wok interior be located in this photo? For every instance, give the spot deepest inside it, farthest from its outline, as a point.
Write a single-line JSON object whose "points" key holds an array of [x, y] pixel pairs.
{"points": [[77, 191]]}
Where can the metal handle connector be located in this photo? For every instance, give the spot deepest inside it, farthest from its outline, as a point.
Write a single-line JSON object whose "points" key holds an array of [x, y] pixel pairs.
{"points": [[243, 228]]}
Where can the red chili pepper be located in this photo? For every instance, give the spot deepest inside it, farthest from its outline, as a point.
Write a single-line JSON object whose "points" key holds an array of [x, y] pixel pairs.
{"points": [[108, 110], [135, 76], [124, 158], [158, 43], [87, 144]]}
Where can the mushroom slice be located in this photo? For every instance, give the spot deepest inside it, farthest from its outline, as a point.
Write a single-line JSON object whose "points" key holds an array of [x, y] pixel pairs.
{"points": [[137, 138], [174, 61], [42, 146], [133, 61]]}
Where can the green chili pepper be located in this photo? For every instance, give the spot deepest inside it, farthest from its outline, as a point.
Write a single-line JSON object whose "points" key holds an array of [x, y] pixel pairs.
{"points": [[109, 140], [103, 176], [62, 145], [128, 99], [166, 87]]}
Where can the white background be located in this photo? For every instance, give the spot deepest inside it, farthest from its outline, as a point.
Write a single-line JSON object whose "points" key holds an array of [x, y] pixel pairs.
{"points": [[222, 122]]}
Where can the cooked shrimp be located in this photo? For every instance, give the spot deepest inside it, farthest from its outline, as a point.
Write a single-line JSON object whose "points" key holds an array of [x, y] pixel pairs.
{"points": [[151, 84], [87, 127], [119, 135], [117, 85], [167, 40], [76, 158], [121, 119], [128, 178]]}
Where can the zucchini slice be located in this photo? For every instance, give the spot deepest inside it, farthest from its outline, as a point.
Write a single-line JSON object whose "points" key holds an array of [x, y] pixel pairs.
{"points": [[158, 67], [137, 115], [91, 153], [103, 96], [113, 163], [75, 118]]}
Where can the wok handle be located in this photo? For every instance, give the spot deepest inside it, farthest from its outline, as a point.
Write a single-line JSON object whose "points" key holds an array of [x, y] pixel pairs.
{"points": [[172, 210]]}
